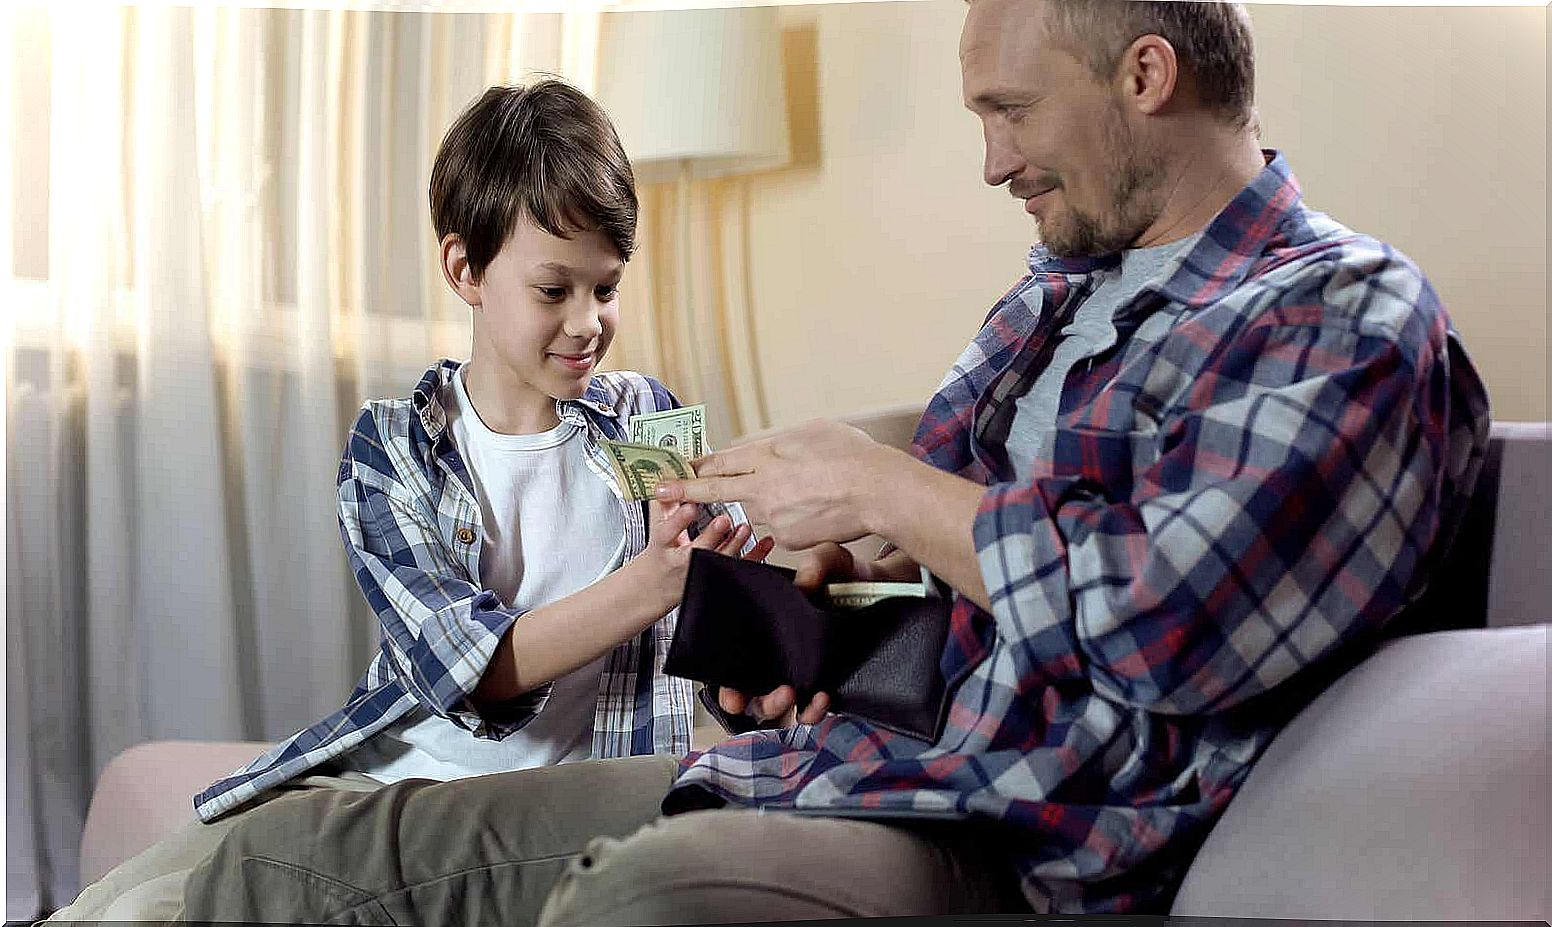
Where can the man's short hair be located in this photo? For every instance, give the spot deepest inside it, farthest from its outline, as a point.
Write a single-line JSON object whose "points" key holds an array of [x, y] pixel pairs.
{"points": [[545, 151], [1211, 39]]}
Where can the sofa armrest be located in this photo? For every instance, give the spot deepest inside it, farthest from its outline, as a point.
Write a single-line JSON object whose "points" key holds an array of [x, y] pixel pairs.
{"points": [[147, 792], [1415, 787]]}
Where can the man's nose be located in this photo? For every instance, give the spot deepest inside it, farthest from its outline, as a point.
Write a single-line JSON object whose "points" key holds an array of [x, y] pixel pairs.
{"points": [[1002, 158]]}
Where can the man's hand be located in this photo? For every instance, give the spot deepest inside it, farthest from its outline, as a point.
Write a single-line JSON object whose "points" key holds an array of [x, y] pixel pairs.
{"points": [[781, 703], [816, 483], [831, 563], [823, 563]]}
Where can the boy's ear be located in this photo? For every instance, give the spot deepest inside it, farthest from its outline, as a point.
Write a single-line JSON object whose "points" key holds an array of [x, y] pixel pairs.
{"points": [[455, 270]]}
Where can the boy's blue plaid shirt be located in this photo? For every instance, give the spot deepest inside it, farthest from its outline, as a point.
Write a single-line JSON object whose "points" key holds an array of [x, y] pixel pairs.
{"points": [[1252, 477], [412, 529]]}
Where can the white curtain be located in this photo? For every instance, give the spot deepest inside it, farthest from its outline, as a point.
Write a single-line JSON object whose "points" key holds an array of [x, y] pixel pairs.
{"points": [[216, 246]]}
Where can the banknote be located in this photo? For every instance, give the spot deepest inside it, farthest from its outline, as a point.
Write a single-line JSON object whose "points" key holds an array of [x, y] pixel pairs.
{"points": [[640, 467], [861, 595], [682, 430]]}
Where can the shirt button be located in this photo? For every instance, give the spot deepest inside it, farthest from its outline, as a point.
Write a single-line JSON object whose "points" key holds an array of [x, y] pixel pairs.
{"points": [[464, 535]]}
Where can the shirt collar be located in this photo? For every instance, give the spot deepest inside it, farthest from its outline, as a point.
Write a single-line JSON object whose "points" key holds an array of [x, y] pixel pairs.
{"points": [[427, 399], [1228, 247]]}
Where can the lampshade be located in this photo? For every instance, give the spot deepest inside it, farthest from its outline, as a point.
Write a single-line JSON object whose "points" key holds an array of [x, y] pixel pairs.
{"points": [[701, 90]]}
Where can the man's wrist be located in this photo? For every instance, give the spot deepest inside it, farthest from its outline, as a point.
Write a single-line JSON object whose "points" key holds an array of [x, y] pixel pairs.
{"points": [[881, 489]]}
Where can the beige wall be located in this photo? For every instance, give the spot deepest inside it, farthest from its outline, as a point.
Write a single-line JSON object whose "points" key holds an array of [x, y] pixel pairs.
{"points": [[876, 257]]}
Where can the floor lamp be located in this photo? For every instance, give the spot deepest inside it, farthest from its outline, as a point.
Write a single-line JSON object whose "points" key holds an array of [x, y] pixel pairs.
{"points": [[695, 95]]}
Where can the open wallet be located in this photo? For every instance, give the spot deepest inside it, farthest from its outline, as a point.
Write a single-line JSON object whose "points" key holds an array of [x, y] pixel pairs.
{"points": [[747, 626]]}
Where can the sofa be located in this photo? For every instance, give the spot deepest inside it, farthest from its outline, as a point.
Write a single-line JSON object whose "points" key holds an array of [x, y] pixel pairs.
{"points": [[1414, 787]]}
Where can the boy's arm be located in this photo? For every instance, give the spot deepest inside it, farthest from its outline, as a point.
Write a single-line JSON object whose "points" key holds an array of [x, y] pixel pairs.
{"points": [[465, 656], [439, 630], [567, 634]]}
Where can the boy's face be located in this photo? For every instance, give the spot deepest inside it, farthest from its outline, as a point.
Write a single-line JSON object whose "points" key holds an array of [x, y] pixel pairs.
{"points": [[546, 311]]}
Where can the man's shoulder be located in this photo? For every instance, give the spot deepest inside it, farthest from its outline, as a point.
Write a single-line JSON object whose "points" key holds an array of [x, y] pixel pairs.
{"points": [[1332, 275], [630, 393]]}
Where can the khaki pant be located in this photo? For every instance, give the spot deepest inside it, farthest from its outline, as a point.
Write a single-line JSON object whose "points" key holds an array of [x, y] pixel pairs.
{"points": [[149, 886], [577, 844]]}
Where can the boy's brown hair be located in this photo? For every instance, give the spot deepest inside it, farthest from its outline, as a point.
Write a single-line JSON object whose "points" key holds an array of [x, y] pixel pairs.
{"points": [[545, 151]]}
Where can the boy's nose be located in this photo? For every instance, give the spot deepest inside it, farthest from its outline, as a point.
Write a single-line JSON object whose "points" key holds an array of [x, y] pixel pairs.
{"points": [[585, 323]]}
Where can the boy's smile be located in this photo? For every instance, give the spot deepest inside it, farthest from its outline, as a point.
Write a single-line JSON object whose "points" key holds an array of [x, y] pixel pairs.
{"points": [[544, 314]]}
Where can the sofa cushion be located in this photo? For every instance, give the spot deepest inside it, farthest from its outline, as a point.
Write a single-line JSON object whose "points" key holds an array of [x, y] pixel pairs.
{"points": [[1414, 788]]}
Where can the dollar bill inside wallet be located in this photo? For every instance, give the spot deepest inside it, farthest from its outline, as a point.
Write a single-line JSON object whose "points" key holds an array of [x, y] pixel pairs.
{"points": [[746, 625]]}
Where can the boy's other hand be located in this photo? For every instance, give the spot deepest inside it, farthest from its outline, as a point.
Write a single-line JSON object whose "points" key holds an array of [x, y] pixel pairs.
{"points": [[669, 545]]}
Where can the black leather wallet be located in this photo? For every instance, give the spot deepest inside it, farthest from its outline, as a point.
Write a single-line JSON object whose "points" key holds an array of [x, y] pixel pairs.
{"points": [[745, 625]]}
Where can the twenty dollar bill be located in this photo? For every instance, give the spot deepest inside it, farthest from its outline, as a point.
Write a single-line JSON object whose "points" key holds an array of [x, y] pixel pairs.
{"points": [[661, 446], [681, 430], [640, 467], [861, 595]]}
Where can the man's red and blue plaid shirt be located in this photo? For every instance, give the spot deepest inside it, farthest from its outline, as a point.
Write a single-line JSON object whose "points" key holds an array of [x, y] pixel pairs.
{"points": [[1237, 495]]}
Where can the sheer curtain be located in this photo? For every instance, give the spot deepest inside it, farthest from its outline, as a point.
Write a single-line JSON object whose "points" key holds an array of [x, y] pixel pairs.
{"points": [[217, 246], [705, 348]]}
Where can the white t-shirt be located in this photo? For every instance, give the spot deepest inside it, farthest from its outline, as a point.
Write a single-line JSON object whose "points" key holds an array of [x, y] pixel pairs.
{"points": [[1091, 332], [552, 527]]}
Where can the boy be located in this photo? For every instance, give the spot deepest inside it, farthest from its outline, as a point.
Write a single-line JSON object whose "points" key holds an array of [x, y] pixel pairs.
{"points": [[526, 605]]}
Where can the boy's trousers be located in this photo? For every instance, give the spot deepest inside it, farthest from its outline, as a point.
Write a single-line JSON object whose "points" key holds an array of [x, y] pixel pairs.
{"points": [[571, 845], [149, 886]]}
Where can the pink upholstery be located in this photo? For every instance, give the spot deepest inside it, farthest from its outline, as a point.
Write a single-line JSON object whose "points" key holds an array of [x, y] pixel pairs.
{"points": [[147, 792]]}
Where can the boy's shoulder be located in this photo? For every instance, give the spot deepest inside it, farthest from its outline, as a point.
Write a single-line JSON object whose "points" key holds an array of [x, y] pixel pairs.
{"points": [[384, 436], [380, 434], [628, 393]]}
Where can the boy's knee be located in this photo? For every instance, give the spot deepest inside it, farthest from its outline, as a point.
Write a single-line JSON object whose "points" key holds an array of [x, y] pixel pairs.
{"points": [[271, 857]]}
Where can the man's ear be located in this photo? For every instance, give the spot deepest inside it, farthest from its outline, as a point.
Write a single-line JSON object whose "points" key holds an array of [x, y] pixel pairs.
{"points": [[456, 270], [1150, 73]]}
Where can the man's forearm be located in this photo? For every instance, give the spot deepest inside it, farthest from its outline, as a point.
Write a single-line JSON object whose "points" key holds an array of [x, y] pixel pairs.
{"points": [[930, 515]]}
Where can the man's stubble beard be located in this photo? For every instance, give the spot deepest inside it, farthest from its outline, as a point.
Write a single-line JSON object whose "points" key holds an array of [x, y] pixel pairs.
{"points": [[1136, 184]]}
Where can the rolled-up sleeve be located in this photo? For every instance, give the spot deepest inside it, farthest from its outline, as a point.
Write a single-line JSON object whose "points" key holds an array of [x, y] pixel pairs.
{"points": [[440, 631]]}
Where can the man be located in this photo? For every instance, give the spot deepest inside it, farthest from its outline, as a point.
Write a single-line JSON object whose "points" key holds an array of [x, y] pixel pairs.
{"points": [[1191, 466]]}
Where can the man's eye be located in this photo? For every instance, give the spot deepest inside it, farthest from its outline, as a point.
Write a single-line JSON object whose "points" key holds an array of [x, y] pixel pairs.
{"points": [[1014, 112]]}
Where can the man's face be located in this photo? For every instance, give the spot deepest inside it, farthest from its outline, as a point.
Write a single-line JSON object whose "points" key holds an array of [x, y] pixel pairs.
{"points": [[1058, 137]]}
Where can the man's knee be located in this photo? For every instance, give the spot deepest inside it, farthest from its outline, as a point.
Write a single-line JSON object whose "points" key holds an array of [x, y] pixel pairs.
{"points": [[703, 867], [740, 865]]}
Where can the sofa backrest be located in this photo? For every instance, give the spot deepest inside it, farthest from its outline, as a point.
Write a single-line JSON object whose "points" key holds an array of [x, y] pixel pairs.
{"points": [[1519, 589], [1498, 573]]}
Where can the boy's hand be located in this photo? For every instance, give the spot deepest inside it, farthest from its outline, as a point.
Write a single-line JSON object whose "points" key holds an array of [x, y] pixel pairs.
{"points": [[667, 553]]}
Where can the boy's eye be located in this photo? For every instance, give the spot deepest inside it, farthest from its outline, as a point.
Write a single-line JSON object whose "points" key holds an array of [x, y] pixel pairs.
{"points": [[553, 294], [607, 293]]}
